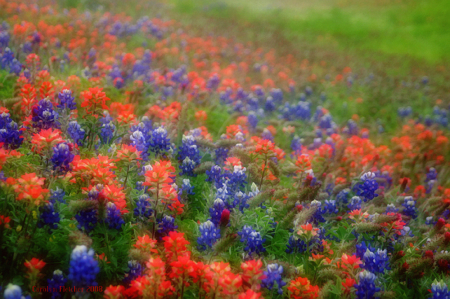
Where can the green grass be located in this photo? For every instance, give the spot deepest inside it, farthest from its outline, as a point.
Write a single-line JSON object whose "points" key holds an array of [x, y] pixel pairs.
{"points": [[412, 29]]}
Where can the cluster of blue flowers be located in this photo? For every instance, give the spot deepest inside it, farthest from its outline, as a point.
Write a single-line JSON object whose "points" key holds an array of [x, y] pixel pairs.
{"points": [[166, 225], [62, 157], [48, 216], [44, 116], [10, 134], [188, 155], [76, 132], [273, 278], [209, 235], [134, 271], [56, 283], [83, 267], [8, 59], [367, 188], [366, 288], [252, 240], [143, 208], [113, 216]]}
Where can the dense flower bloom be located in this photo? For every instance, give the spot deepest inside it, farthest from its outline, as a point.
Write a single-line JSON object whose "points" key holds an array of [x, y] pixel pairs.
{"points": [[83, 267], [66, 100], [43, 115], [367, 188], [29, 187], [56, 283], [209, 235], [113, 216], [252, 240], [440, 290], [48, 216], [366, 289], [62, 157], [273, 277]]}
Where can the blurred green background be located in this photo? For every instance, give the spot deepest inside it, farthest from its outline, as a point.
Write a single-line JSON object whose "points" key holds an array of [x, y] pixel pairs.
{"points": [[416, 30]]}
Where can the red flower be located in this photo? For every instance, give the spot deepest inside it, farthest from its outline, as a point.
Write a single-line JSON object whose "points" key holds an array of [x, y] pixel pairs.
{"points": [[94, 99], [250, 295], [34, 264], [114, 292]]}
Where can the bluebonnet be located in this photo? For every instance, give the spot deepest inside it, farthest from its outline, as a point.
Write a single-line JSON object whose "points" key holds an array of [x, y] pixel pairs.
{"points": [[326, 122], [429, 186], [240, 201], [216, 211], [14, 292], [376, 261], [55, 283], [143, 208], [8, 61], [362, 248], [43, 115], [76, 132], [113, 216], [330, 207], [409, 205], [135, 270], [391, 209], [342, 197], [62, 157], [215, 175], [296, 245], [83, 267], [166, 225], [384, 179], [296, 145], [213, 82], [48, 216], [140, 186], [266, 135], [352, 127], [57, 195], [273, 275], [277, 95], [367, 188], [270, 105], [252, 120], [221, 154], [252, 240], [366, 289], [66, 100], [318, 214], [404, 111], [10, 134], [107, 129], [186, 187], [87, 219], [431, 175], [209, 235], [159, 142], [439, 290], [4, 39], [429, 221]]}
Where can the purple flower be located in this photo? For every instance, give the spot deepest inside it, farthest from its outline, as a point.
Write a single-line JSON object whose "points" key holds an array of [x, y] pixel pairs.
{"points": [[83, 267], [62, 157], [366, 289], [10, 135], [166, 225], [252, 240], [135, 270], [87, 219], [410, 207], [113, 216], [209, 235], [159, 142], [273, 276], [143, 208], [367, 188], [48, 216], [67, 100], [55, 283], [375, 261], [43, 115], [76, 132]]}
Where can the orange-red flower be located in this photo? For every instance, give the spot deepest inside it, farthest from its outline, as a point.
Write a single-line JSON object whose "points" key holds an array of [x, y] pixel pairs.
{"points": [[301, 288], [94, 99]]}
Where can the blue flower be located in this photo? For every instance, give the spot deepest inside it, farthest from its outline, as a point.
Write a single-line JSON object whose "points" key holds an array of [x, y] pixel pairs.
{"points": [[83, 267], [166, 225], [48, 216], [55, 283], [135, 270], [57, 195], [113, 216], [87, 219], [143, 208], [376, 261], [216, 211], [330, 207], [66, 100], [367, 188], [410, 207], [76, 132], [355, 203], [221, 155], [188, 155], [209, 235], [431, 175], [252, 240], [273, 275], [366, 289], [62, 157], [43, 115], [391, 209], [10, 135], [14, 292], [438, 289], [107, 129], [215, 175], [318, 214], [296, 245], [159, 142]]}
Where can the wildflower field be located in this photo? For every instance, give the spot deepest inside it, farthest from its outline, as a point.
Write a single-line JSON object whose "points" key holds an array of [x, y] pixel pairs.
{"points": [[151, 149]]}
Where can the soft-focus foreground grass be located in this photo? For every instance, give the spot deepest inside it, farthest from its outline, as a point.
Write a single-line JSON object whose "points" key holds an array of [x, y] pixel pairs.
{"points": [[416, 30]]}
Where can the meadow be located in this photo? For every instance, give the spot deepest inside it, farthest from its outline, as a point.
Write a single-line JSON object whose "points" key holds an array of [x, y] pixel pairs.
{"points": [[224, 149]]}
